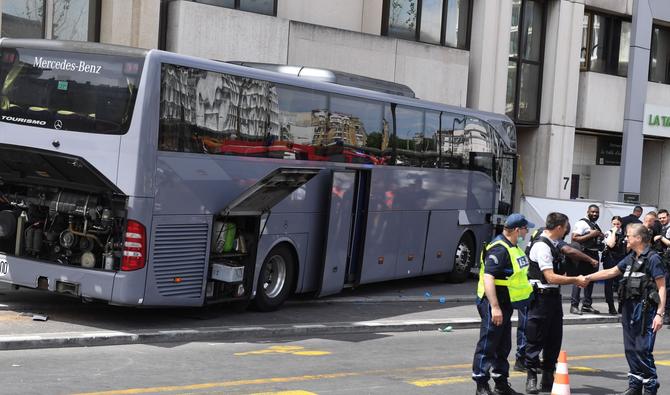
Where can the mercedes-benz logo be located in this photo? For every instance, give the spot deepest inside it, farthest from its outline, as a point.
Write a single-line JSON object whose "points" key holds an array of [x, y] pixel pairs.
{"points": [[58, 124]]}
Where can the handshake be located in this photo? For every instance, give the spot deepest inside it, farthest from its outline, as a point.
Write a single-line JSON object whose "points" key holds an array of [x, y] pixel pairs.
{"points": [[581, 281]]}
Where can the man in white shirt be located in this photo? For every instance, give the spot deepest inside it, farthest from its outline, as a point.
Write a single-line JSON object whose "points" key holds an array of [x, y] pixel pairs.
{"points": [[590, 237], [544, 330]]}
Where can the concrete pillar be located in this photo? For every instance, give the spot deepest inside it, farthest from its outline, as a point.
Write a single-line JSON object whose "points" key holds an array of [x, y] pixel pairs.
{"points": [[546, 152], [372, 17], [636, 94], [489, 54], [130, 22]]}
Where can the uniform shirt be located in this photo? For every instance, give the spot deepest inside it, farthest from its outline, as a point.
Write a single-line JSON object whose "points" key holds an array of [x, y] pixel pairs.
{"points": [[629, 219], [666, 234], [654, 267], [541, 253], [581, 228], [497, 263]]}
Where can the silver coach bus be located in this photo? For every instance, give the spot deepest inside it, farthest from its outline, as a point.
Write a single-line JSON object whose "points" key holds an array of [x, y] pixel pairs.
{"points": [[148, 178]]}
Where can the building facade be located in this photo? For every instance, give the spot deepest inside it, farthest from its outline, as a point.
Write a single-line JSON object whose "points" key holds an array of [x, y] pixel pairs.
{"points": [[558, 68]]}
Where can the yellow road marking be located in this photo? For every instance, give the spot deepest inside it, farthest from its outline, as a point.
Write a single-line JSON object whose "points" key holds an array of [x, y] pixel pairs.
{"points": [[295, 350], [663, 363], [583, 369], [468, 378], [451, 380], [225, 384], [330, 376], [299, 392]]}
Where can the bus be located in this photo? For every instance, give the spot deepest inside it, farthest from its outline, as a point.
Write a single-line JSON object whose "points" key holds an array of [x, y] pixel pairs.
{"points": [[149, 178]]}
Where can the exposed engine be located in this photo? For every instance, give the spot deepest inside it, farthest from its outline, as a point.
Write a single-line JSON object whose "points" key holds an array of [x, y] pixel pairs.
{"points": [[62, 226]]}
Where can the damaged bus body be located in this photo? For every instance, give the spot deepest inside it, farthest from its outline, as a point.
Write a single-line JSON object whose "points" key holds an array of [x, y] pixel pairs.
{"points": [[148, 178]]}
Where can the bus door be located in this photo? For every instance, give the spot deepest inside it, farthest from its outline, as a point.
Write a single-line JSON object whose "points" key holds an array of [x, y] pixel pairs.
{"points": [[359, 223], [338, 232]]}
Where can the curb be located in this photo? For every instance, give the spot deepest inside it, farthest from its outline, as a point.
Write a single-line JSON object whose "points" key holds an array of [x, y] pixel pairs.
{"points": [[108, 338], [397, 299]]}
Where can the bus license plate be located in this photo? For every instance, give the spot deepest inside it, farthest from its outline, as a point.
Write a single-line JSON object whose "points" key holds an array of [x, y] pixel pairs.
{"points": [[4, 265]]}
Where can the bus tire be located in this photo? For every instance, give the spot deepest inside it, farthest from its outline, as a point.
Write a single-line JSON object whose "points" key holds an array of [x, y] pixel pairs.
{"points": [[464, 260], [275, 281]]}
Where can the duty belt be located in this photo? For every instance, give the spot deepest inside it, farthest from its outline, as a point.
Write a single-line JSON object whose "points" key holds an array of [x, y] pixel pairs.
{"points": [[547, 291]]}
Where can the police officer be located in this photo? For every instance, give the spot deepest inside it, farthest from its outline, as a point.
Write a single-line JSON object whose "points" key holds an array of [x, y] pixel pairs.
{"points": [[632, 218], [503, 284], [615, 251], [643, 307], [662, 246], [544, 330], [569, 252], [588, 234]]}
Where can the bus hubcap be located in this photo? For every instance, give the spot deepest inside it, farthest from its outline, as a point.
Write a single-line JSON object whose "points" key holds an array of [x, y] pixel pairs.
{"points": [[462, 258], [275, 276]]}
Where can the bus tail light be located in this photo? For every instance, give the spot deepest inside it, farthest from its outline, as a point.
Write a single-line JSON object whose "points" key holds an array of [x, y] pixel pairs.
{"points": [[134, 247]]}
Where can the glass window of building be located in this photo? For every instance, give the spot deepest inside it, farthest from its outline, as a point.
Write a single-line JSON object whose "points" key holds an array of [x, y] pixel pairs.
{"points": [[659, 62], [75, 20], [72, 19], [605, 44], [267, 7], [23, 18], [441, 22], [525, 61]]}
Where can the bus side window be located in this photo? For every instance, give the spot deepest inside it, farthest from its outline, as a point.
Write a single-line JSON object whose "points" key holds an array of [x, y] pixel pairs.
{"points": [[480, 146], [303, 117], [410, 136], [454, 152], [358, 131]]}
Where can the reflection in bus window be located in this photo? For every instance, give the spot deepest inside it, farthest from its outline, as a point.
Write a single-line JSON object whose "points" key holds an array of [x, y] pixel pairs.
{"points": [[452, 142], [303, 115], [478, 140], [415, 137], [203, 111], [360, 127], [217, 113]]}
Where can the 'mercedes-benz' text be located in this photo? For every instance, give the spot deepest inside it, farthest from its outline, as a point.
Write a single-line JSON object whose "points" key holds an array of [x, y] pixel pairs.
{"points": [[66, 65]]}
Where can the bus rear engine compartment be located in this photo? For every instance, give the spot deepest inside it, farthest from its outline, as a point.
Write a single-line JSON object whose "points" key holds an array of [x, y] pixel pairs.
{"points": [[62, 226]]}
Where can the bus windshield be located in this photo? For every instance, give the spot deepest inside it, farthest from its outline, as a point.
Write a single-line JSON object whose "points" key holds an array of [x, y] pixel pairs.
{"points": [[74, 91]]}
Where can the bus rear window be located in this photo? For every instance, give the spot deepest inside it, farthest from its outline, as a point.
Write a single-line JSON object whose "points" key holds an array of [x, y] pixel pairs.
{"points": [[68, 90]]}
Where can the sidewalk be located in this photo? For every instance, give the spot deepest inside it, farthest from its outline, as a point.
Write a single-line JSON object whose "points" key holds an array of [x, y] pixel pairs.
{"points": [[409, 305]]}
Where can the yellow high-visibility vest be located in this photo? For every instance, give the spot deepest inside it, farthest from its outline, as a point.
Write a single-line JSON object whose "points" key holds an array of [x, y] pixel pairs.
{"points": [[517, 284]]}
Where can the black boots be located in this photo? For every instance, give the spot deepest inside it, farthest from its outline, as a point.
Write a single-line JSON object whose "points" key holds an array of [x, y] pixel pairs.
{"points": [[632, 391], [612, 309], [503, 388], [531, 382], [483, 389]]}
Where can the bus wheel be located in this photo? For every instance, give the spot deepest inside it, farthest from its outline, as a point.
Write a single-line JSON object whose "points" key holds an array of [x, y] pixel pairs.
{"points": [[275, 281], [464, 260]]}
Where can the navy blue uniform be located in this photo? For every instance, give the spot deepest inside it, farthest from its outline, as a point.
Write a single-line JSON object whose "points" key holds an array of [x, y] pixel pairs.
{"points": [[522, 324], [495, 342], [639, 343]]}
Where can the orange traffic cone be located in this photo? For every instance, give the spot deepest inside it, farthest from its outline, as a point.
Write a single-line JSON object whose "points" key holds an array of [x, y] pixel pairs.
{"points": [[561, 378]]}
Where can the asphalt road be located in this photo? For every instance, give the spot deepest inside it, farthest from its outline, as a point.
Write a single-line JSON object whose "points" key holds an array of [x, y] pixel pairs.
{"points": [[395, 363]]}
